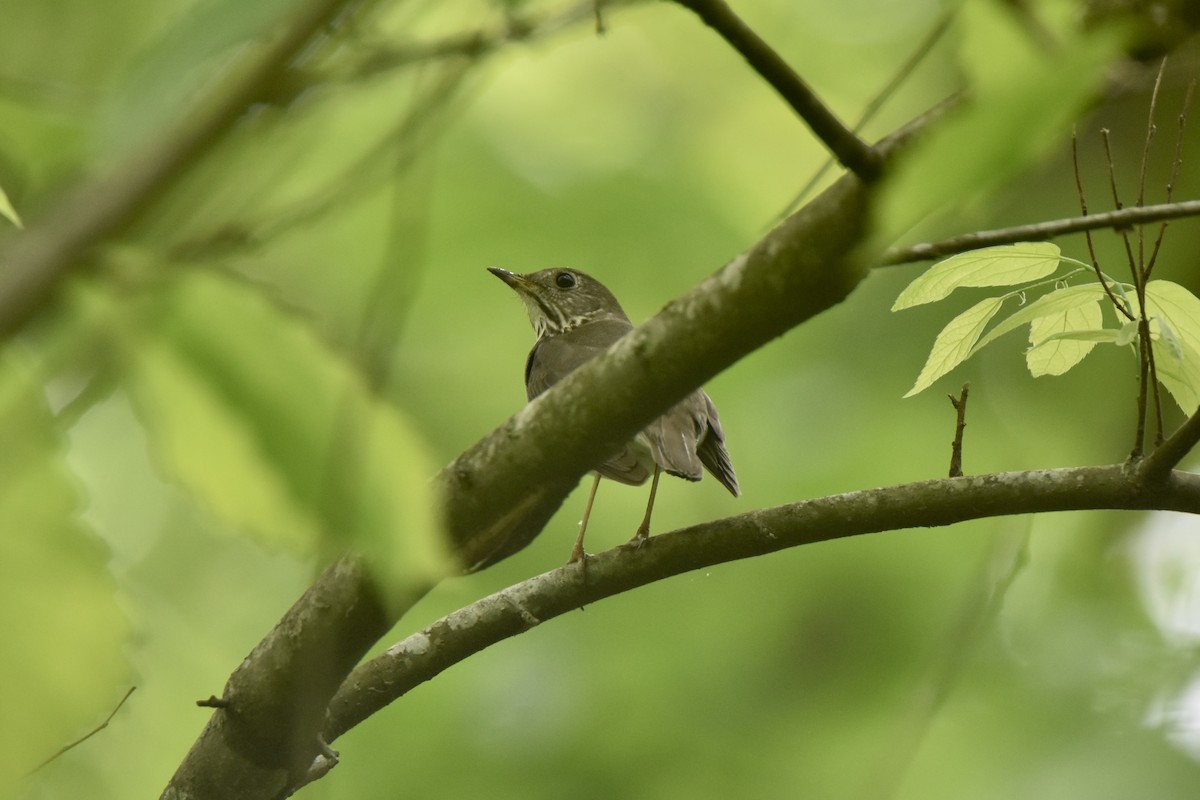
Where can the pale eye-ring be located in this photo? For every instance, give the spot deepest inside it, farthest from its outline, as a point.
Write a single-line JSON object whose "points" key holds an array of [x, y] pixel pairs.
{"points": [[564, 280]]}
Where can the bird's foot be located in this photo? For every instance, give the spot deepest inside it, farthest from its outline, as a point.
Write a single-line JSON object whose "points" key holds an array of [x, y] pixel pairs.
{"points": [[580, 556], [639, 539]]}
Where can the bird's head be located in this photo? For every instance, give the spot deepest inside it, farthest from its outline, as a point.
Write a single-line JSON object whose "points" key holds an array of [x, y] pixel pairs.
{"points": [[560, 299]]}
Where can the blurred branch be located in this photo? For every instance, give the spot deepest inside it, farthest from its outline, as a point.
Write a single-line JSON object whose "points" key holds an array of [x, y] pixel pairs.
{"points": [[474, 44], [853, 153], [35, 260], [1040, 231], [514, 610], [89, 734]]}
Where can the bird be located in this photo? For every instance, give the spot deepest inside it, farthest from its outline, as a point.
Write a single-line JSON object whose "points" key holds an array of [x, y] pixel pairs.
{"points": [[576, 318]]}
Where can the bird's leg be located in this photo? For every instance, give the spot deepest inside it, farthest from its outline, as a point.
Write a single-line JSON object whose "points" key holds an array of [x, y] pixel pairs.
{"points": [[643, 531], [577, 553]]}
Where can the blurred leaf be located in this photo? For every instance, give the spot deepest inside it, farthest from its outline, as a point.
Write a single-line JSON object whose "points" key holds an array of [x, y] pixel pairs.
{"points": [[1023, 99], [1051, 350], [272, 430], [956, 342], [64, 634], [1006, 265], [7, 211]]}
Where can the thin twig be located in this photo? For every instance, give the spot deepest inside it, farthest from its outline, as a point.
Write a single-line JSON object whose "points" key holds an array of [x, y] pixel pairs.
{"points": [[956, 449], [1039, 231], [1176, 166], [1117, 204], [87, 735], [853, 153], [1151, 130], [1083, 207]]}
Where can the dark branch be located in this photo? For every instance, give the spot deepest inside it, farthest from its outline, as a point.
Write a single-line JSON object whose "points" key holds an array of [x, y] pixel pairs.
{"points": [[518, 608], [1040, 231], [853, 153]]}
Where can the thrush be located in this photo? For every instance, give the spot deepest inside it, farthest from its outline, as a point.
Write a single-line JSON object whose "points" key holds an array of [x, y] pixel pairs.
{"points": [[576, 319]]}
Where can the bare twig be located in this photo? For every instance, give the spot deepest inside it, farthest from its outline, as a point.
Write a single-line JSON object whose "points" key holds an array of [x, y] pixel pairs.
{"points": [[1176, 166], [89, 734], [956, 449], [1040, 231], [853, 153], [1091, 246]]}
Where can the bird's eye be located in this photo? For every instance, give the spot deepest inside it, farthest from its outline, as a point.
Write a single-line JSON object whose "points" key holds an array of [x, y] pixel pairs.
{"points": [[564, 280]]}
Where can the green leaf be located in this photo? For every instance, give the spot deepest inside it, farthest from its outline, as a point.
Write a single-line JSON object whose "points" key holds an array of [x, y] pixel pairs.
{"points": [[7, 210], [277, 434], [1051, 352], [1177, 345], [956, 342], [64, 633], [1006, 265], [1056, 302]]}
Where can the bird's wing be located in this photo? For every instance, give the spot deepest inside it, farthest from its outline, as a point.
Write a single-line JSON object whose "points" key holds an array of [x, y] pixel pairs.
{"points": [[688, 439], [555, 357]]}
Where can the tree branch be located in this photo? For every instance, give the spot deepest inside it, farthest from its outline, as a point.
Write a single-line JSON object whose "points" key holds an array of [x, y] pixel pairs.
{"points": [[514, 610], [1040, 231], [853, 153], [1158, 465]]}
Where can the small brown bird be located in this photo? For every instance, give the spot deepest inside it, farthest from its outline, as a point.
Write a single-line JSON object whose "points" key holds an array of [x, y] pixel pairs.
{"points": [[576, 319]]}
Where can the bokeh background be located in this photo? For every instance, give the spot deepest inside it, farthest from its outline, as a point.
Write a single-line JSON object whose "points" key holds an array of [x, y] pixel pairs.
{"points": [[342, 227]]}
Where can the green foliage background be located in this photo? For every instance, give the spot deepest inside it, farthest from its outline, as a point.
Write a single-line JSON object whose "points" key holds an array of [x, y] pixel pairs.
{"points": [[176, 457]]}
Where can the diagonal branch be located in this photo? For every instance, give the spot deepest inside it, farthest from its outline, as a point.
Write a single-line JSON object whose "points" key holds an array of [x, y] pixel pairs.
{"points": [[1158, 465], [854, 154], [514, 610], [1040, 231]]}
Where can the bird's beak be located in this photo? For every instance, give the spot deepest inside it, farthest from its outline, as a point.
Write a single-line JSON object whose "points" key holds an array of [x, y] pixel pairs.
{"points": [[519, 282]]}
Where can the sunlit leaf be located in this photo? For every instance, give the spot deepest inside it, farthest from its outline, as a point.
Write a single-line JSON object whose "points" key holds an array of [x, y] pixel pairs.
{"points": [[955, 343], [1007, 265], [276, 433], [64, 634], [1176, 312], [1057, 302], [1055, 356]]}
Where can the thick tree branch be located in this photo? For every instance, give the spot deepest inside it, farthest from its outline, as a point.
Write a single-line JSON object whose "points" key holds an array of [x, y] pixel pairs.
{"points": [[1040, 231], [853, 153], [264, 738], [946, 501]]}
